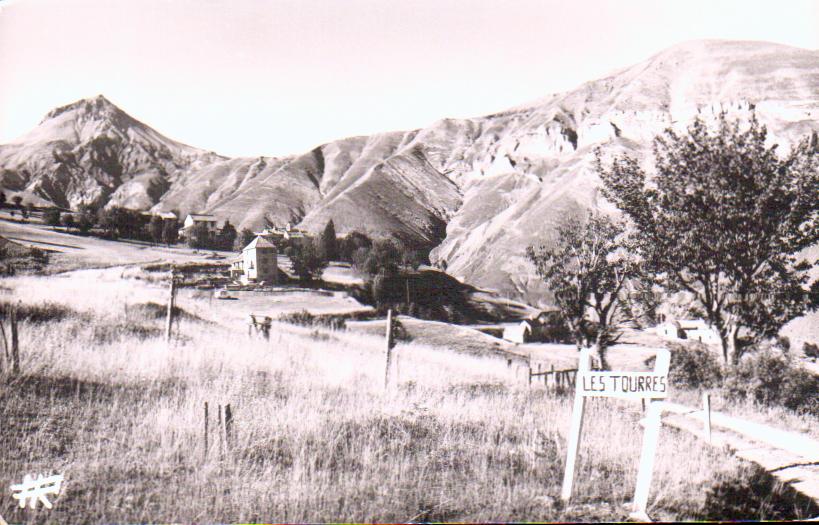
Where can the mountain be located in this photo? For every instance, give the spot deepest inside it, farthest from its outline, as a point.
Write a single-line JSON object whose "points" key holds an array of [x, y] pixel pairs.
{"points": [[477, 190], [91, 152]]}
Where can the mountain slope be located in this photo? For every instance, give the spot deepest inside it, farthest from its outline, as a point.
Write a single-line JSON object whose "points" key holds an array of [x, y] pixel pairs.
{"points": [[478, 190], [91, 152]]}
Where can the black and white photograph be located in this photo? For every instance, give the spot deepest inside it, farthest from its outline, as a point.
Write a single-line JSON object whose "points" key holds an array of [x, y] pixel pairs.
{"points": [[409, 261]]}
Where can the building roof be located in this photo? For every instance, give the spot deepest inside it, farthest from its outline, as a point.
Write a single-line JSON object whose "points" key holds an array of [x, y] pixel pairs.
{"points": [[259, 242], [202, 217]]}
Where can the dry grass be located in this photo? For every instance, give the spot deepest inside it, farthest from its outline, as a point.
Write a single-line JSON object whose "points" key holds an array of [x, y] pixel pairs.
{"points": [[104, 401]]}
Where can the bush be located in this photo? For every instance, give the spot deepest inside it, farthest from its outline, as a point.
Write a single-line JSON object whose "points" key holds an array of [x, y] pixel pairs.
{"points": [[810, 350], [45, 312], [692, 366], [769, 378], [305, 318]]}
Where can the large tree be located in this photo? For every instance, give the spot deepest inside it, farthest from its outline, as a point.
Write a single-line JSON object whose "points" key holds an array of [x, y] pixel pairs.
{"points": [[328, 243], [724, 219], [244, 238], [306, 261], [156, 227], [170, 232], [586, 267], [227, 236]]}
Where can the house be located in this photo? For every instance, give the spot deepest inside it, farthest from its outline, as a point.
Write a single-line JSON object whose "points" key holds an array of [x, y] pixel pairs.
{"points": [[688, 329], [281, 235], [518, 333], [194, 219], [259, 262], [164, 215], [237, 267]]}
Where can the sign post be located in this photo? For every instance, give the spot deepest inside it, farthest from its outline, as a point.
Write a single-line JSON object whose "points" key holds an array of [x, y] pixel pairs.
{"points": [[651, 386]]}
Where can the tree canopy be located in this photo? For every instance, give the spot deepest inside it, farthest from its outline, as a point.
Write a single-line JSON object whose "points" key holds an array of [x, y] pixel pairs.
{"points": [[724, 219], [586, 268]]}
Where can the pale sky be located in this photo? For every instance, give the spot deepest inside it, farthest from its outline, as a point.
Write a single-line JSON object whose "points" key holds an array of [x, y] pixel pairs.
{"points": [[277, 77]]}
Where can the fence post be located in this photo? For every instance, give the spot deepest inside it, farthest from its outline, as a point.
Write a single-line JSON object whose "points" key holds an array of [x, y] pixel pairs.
{"points": [[706, 409], [388, 350], [15, 346], [228, 426], [553, 376], [220, 429], [171, 297], [205, 455]]}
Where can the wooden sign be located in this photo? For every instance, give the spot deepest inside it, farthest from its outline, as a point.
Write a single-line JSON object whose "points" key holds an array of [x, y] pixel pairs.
{"points": [[629, 385]]}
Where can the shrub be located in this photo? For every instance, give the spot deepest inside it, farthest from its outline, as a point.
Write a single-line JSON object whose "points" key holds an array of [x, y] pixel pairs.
{"points": [[305, 318], [769, 378], [44, 312], [810, 350], [692, 366]]}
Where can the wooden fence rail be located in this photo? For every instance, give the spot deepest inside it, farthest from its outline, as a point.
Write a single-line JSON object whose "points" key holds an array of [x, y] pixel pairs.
{"points": [[564, 378]]}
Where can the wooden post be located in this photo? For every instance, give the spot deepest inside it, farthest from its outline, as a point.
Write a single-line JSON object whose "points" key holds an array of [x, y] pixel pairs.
{"points": [[553, 376], [650, 438], [220, 428], [530, 374], [388, 350], [205, 454], [15, 346], [706, 415], [575, 428], [228, 427], [171, 297]]}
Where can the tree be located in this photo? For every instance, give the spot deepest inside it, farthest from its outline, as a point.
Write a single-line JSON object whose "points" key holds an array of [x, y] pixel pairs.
{"points": [[68, 221], [723, 221], [306, 261], [86, 219], [383, 257], [227, 236], [28, 210], [328, 243], [156, 228], [352, 242], [52, 217], [244, 238], [2, 199], [170, 232], [17, 200], [586, 268], [199, 237]]}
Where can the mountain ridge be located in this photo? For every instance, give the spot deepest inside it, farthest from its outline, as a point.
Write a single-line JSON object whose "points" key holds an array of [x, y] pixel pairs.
{"points": [[476, 190]]}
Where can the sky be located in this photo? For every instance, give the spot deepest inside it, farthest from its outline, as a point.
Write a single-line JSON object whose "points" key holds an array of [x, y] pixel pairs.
{"points": [[278, 77]]}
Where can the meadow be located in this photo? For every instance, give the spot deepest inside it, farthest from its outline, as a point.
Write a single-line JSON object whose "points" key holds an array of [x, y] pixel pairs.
{"points": [[105, 401]]}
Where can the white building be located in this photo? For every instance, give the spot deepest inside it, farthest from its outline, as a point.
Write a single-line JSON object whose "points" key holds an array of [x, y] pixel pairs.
{"points": [[193, 219], [688, 330], [258, 262], [518, 333]]}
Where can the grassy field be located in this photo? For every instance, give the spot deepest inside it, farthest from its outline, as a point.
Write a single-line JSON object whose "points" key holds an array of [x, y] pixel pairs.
{"points": [[104, 401]]}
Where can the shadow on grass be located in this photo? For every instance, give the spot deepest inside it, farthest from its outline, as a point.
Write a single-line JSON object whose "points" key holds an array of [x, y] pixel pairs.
{"points": [[751, 493], [34, 389]]}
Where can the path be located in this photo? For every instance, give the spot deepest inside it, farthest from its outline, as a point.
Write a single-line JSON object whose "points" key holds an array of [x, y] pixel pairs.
{"points": [[793, 458]]}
